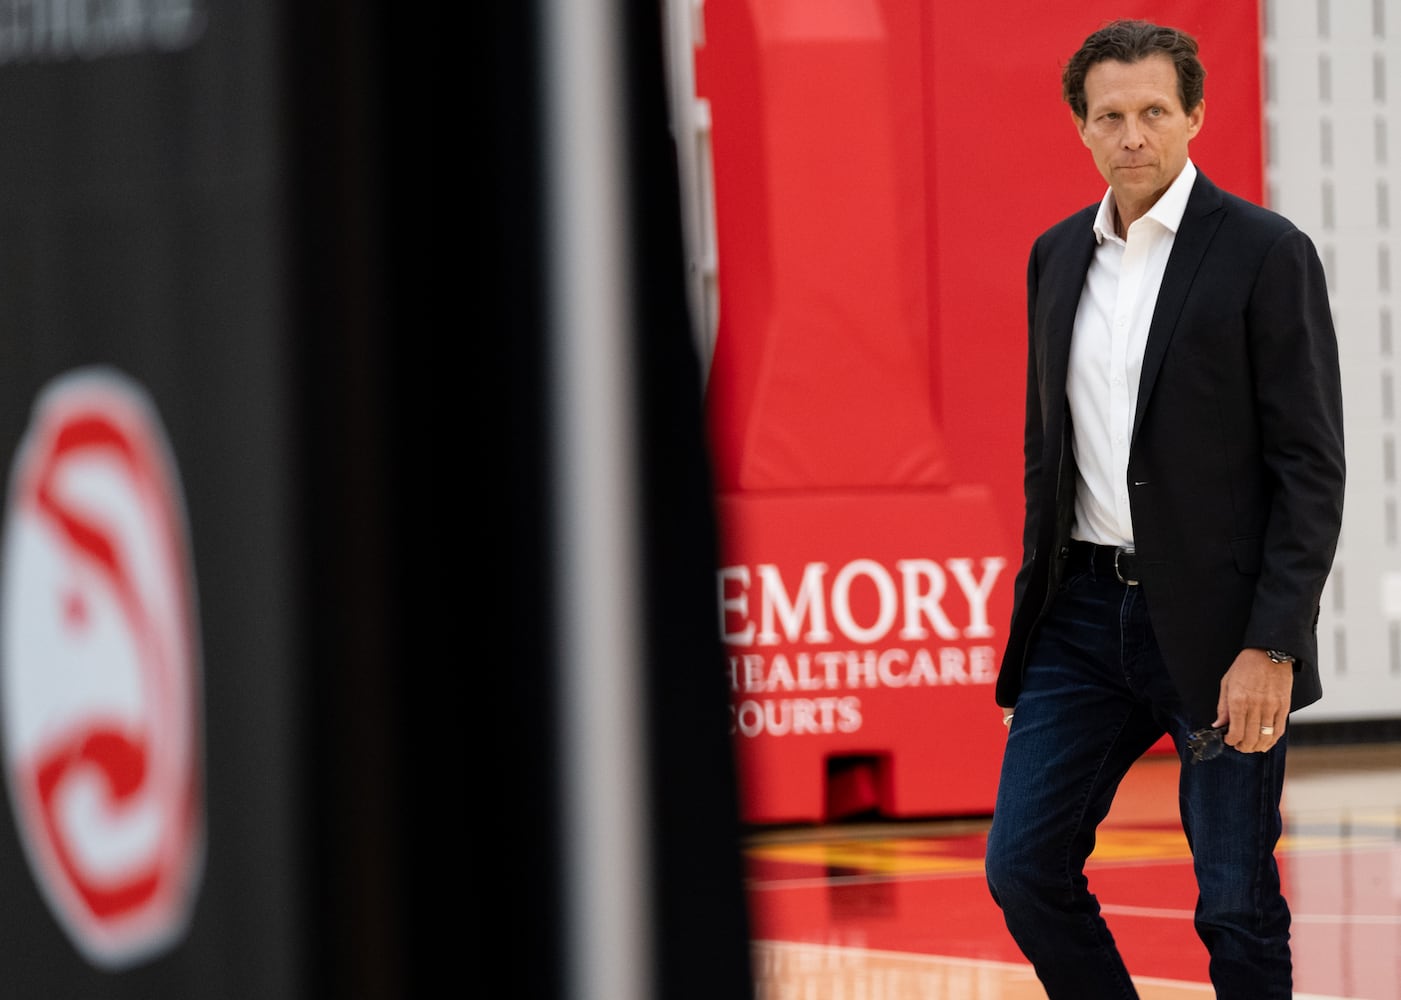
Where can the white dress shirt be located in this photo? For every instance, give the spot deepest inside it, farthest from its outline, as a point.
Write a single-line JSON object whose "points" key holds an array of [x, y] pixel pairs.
{"points": [[1106, 357]]}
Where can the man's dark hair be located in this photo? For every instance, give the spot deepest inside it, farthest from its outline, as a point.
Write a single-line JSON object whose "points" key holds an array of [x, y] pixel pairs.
{"points": [[1129, 41]]}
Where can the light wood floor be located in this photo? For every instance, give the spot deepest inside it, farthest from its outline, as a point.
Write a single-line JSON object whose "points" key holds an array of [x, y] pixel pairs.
{"points": [[899, 911]]}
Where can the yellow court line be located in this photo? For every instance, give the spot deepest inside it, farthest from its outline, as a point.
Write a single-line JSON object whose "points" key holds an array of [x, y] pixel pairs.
{"points": [[1114, 846], [868, 857]]}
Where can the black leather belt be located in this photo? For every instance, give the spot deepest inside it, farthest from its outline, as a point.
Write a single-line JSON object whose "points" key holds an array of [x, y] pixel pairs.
{"points": [[1108, 560]]}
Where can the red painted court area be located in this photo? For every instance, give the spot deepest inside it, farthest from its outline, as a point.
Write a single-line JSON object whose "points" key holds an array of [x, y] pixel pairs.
{"points": [[885, 911]]}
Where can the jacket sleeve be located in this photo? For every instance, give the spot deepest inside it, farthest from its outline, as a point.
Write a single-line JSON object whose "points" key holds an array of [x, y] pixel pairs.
{"points": [[1294, 356]]}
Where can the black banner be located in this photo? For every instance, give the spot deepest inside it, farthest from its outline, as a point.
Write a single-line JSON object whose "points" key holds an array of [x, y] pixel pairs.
{"points": [[198, 429]]}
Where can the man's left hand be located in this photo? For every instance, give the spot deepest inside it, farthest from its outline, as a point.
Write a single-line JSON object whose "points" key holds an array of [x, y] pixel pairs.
{"points": [[1255, 701]]}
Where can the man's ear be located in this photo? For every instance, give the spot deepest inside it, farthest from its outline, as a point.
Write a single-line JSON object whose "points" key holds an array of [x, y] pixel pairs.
{"points": [[1079, 127], [1195, 118]]}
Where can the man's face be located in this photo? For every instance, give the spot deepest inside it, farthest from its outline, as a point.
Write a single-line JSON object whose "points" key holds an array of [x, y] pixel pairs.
{"points": [[1137, 130]]}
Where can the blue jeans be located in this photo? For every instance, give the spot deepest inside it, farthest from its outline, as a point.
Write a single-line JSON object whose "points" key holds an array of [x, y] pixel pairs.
{"points": [[1095, 697]]}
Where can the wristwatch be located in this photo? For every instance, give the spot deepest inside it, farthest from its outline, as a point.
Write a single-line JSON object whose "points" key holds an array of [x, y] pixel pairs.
{"points": [[1278, 657]]}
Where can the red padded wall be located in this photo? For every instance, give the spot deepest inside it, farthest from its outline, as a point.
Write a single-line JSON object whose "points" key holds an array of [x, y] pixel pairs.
{"points": [[881, 168]]}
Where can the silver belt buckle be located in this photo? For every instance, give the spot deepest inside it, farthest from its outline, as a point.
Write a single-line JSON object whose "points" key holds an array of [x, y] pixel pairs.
{"points": [[1118, 551]]}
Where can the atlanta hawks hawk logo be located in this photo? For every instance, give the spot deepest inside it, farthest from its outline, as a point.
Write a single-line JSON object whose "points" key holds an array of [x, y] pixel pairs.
{"points": [[101, 672]]}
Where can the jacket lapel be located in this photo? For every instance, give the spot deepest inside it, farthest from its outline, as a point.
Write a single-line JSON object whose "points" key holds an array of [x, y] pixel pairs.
{"points": [[1200, 221], [1066, 285]]}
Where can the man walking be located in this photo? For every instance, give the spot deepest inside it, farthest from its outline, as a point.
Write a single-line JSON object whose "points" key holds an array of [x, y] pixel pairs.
{"points": [[1184, 492]]}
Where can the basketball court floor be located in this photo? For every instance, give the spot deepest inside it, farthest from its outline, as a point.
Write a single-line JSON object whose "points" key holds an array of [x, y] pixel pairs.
{"points": [[900, 910]]}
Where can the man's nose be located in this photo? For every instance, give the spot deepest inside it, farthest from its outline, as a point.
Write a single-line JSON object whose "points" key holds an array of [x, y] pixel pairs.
{"points": [[1133, 135]]}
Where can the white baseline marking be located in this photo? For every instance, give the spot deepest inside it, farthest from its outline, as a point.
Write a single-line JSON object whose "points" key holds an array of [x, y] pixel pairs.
{"points": [[1373, 919], [842, 951]]}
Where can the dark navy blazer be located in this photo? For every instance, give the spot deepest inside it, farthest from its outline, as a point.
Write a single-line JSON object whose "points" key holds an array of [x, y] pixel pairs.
{"points": [[1236, 467]]}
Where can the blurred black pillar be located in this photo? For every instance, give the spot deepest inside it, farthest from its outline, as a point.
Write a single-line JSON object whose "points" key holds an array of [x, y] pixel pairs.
{"points": [[702, 941], [382, 799], [696, 890]]}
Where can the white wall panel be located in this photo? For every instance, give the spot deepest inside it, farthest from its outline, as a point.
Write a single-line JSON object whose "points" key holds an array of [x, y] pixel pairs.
{"points": [[1333, 121]]}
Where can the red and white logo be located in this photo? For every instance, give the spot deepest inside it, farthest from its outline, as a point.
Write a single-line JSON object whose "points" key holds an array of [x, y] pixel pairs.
{"points": [[101, 669]]}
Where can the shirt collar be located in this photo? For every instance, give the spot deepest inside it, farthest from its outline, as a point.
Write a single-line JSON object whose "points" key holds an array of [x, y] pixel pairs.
{"points": [[1166, 212]]}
